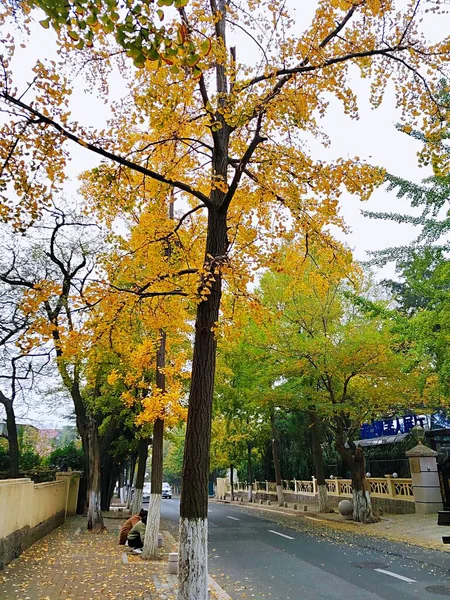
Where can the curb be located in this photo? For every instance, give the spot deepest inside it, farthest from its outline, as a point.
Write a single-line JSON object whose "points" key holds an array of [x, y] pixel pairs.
{"points": [[213, 586], [219, 593]]}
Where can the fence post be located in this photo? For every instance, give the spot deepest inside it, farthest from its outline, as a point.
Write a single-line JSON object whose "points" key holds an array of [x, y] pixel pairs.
{"points": [[338, 487], [390, 485], [314, 485], [295, 486], [267, 487]]}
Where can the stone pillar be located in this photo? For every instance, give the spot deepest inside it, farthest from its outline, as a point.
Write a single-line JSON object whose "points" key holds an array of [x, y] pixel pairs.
{"points": [[425, 479], [73, 494], [72, 479]]}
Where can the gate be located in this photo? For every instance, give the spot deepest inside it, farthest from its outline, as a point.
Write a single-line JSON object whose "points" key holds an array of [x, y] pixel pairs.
{"points": [[444, 476]]}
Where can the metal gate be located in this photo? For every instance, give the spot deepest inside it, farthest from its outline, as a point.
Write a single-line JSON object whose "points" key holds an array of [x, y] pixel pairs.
{"points": [[444, 477]]}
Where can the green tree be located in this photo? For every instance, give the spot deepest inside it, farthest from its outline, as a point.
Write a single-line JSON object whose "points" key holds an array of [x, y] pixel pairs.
{"points": [[67, 457], [432, 195], [352, 365], [242, 130], [423, 297]]}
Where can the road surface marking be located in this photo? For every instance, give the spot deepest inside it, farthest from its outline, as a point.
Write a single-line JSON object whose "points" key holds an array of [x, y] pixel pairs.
{"points": [[314, 519], [234, 518], [212, 524], [407, 579], [282, 534]]}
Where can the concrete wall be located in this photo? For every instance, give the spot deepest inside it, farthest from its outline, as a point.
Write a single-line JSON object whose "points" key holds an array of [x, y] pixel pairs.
{"points": [[28, 511]]}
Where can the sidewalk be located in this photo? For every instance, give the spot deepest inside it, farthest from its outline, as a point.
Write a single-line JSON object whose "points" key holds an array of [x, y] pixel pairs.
{"points": [[415, 529], [72, 564]]}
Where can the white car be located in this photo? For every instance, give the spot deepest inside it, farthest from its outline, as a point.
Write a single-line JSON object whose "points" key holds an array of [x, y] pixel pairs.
{"points": [[146, 492], [166, 490]]}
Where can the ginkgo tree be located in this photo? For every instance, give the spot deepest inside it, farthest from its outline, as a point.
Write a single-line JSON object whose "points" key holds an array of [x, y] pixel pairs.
{"points": [[242, 126], [352, 364], [145, 326]]}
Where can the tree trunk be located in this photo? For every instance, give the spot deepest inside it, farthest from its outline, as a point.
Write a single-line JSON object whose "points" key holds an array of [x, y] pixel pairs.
{"points": [[13, 442], [121, 485], [112, 485], [130, 479], [94, 516], [362, 505], [140, 476], [322, 492], [83, 430], [107, 468], [249, 473], [276, 459], [193, 568], [150, 549], [232, 481]]}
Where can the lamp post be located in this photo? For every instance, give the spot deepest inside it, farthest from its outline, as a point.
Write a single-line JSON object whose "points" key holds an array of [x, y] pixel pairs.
{"points": [[418, 432]]}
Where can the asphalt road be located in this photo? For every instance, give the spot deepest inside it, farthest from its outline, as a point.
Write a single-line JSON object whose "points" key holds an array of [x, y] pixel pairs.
{"points": [[253, 554]]}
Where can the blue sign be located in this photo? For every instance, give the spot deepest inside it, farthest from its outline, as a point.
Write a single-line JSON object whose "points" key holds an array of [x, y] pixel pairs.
{"points": [[391, 426]]}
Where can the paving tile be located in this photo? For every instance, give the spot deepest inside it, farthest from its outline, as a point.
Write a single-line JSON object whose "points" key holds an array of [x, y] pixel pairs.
{"points": [[72, 564]]}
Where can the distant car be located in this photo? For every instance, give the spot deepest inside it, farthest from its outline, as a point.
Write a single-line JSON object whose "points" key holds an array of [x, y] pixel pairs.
{"points": [[166, 490], [146, 492]]}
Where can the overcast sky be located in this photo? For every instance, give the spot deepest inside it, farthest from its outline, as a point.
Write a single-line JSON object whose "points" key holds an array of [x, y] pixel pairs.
{"points": [[373, 137]]}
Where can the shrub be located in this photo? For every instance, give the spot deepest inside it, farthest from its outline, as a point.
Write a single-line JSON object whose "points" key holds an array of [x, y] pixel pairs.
{"points": [[68, 457]]}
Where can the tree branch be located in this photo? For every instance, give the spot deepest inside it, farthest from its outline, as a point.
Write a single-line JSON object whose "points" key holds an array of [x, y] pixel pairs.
{"points": [[242, 164], [105, 153]]}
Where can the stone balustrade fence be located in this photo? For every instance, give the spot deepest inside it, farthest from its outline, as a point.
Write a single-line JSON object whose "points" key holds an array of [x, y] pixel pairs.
{"points": [[380, 487]]}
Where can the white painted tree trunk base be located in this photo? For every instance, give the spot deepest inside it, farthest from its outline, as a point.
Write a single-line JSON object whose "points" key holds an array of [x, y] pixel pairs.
{"points": [[322, 496], [193, 560], [280, 495], [150, 549], [250, 493], [122, 495], [136, 505], [94, 514]]}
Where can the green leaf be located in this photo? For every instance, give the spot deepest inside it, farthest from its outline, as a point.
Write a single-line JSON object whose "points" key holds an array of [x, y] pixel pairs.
{"points": [[196, 72], [193, 59], [74, 36], [139, 61], [180, 3], [92, 20], [45, 23], [152, 53], [205, 47], [160, 14]]}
